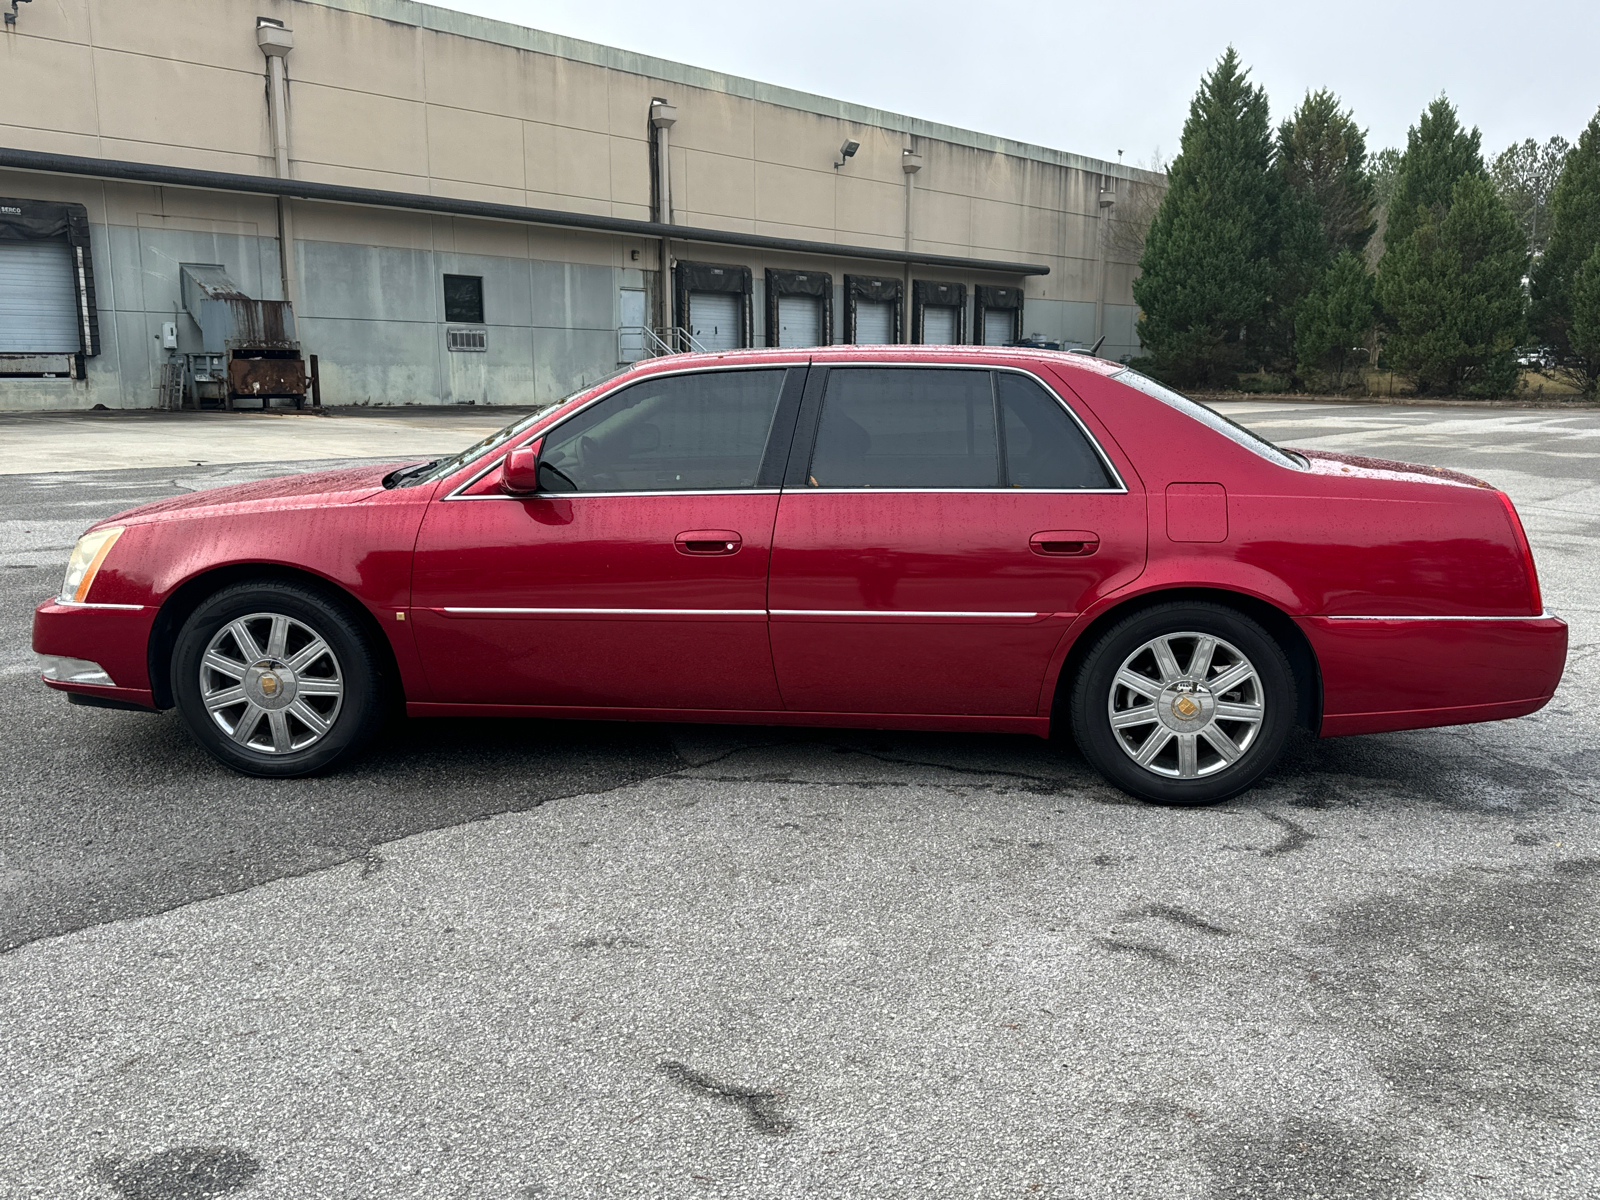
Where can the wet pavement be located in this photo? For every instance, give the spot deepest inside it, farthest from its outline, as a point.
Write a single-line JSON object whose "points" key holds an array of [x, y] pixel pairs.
{"points": [[530, 959]]}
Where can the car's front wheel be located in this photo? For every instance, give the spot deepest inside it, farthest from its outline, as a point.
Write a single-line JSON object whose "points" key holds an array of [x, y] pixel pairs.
{"points": [[275, 678], [1183, 703]]}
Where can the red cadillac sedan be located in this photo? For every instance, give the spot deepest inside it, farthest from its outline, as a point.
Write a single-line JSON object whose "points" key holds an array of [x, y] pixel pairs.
{"points": [[960, 538]]}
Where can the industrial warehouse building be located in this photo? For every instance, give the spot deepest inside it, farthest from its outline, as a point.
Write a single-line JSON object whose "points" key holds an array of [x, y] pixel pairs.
{"points": [[476, 212]]}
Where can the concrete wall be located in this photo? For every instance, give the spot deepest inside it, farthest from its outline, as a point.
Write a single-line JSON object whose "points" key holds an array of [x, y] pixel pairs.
{"points": [[402, 96]]}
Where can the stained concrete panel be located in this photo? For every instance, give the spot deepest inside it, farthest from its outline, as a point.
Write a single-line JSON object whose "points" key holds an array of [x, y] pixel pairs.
{"points": [[715, 184], [47, 85], [568, 359], [341, 279], [358, 129], [179, 103], [574, 295], [375, 362], [475, 147]]}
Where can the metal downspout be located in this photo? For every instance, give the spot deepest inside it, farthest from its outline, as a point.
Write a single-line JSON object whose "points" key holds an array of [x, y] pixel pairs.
{"points": [[276, 41], [663, 117]]}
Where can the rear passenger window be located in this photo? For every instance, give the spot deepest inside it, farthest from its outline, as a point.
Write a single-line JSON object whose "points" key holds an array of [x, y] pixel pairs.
{"points": [[673, 433], [1045, 448], [906, 427]]}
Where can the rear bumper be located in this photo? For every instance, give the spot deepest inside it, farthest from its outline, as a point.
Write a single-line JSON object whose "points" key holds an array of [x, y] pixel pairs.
{"points": [[1385, 673], [115, 636]]}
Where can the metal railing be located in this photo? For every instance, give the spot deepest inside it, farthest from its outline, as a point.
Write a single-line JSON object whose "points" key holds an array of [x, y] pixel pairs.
{"points": [[635, 342]]}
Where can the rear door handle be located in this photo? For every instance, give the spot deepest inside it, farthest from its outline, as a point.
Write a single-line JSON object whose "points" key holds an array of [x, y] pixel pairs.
{"points": [[1064, 543], [708, 542]]}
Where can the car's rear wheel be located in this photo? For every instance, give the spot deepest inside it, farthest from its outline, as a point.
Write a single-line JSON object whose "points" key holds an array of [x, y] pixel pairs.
{"points": [[276, 679], [1183, 703]]}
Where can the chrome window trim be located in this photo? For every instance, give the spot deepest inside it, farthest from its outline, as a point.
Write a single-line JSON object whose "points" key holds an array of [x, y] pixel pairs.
{"points": [[1094, 442], [623, 381], [1541, 617], [957, 491], [620, 495]]}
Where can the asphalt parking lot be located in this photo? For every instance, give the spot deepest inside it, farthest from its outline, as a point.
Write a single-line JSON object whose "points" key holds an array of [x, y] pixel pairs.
{"points": [[524, 960]]}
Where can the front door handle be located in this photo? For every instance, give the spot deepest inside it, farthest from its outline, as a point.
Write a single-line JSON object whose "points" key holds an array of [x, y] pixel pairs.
{"points": [[1064, 543], [708, 542]]}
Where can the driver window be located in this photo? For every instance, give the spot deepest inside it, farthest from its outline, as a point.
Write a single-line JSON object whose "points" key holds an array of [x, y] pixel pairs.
{"points": [[674, 433]]}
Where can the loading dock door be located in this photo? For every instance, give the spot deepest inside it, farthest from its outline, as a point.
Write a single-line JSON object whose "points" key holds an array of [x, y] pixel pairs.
{"points": [[939, 326], [38, 302], [799, 321], [874, 322], [998, 326], [715, 319]]}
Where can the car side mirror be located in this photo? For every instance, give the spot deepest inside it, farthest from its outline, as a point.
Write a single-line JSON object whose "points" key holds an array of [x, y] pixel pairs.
{"points": [[519, 475]]}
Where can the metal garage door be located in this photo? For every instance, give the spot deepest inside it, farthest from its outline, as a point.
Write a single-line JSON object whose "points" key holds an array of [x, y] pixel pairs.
{"points": [[998, 326], [38, 304], [874, 323], [799, 321], [714, 319], [939, 326]]}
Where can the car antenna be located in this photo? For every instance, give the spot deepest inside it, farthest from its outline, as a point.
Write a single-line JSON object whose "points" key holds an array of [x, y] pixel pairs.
{"points": [[1093, 350]]}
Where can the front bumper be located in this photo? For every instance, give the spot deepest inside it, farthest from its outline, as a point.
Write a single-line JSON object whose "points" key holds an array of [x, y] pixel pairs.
{"points": [[114, 636], [1386, 673]]}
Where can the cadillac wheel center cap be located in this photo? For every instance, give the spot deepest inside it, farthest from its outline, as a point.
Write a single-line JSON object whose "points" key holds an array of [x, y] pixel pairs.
{"points": [[1186, 706], [270, 683]]}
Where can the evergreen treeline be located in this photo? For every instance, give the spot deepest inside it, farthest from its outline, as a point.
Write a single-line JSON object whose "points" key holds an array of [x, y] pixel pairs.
{"points": [[1297, 252]]}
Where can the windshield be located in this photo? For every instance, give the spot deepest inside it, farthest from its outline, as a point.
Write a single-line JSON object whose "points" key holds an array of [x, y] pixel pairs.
{"points": [[1212, 419], [439, 468]]}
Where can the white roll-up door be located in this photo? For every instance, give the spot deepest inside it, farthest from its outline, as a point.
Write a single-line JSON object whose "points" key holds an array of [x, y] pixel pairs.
{"points": [[998, 324], [38, 303], [874, 322], [799, 321], [715, 319], [939, 326]]}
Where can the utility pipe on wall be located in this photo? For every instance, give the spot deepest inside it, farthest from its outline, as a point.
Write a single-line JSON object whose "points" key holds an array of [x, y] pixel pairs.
{"points": [[910, 163], [276, 40], [663, 117]]}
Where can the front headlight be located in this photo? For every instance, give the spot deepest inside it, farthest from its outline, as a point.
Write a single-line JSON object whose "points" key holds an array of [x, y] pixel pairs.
{"points": [[84, 564]]}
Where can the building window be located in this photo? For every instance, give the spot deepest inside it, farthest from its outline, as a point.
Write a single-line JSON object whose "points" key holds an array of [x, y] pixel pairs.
{"points": [[463, 299]]}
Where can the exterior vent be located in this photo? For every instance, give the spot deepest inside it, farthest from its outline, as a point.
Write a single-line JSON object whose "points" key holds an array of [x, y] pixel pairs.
{"points": [[468, 340]]}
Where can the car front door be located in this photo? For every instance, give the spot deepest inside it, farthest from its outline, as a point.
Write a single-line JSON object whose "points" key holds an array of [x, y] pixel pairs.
{"points": [[636, 577], [936, 536]]}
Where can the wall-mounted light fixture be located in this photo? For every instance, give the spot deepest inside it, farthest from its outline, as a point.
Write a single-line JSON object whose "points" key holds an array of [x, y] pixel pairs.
{"points": [[11, 13], [910, 162], [847, 151]]}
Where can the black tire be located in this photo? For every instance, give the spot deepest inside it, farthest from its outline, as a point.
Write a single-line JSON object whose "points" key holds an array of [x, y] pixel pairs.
{"points": [[350, 665], [1210, 777]]}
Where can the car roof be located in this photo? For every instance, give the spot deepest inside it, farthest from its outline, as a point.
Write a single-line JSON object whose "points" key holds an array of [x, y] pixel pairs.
{"points": [[895, 353]]}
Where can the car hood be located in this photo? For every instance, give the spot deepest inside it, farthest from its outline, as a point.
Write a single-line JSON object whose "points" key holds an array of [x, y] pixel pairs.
{"points": [[315, 489]]}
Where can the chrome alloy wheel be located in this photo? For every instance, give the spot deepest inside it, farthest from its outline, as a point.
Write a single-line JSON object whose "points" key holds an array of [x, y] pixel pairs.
{"points": [[1185, 705], [271, 683]]}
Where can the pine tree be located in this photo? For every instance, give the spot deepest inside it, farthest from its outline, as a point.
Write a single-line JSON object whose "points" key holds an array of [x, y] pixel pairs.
{"points": [[1438, 153], [1336, 319], [1574, 236], [1327, 208], [1207, 272], [1452, 292], [1525, 174], [1323, 158], [1585, 328]]}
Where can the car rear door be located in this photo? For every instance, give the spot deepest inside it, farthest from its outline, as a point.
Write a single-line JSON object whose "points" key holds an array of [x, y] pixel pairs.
{"points": [[938, 531], [636, 577]]}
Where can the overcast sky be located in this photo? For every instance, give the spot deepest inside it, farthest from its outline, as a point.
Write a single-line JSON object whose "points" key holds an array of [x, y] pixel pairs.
{"points": [[1098, 78]]}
